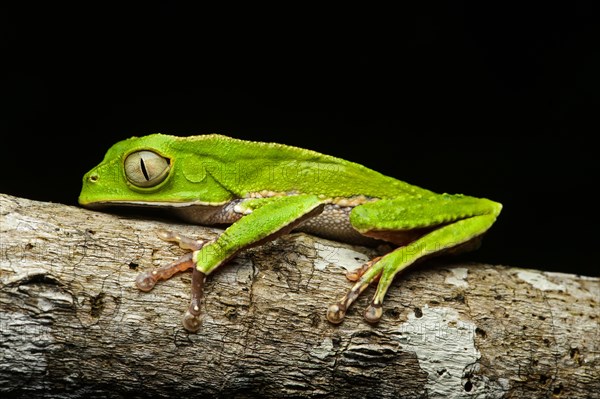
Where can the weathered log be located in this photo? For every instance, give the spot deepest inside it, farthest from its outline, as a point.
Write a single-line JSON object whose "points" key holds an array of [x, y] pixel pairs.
{"points": [[73, 324]]}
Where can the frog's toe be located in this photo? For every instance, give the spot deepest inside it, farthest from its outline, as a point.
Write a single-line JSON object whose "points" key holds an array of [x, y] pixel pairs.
{"points": [[183, 241], [336, 313], [371, 272], [146, 281], [198, 280], [191, 322], [356, 274], [191, 319], [373, 312]]}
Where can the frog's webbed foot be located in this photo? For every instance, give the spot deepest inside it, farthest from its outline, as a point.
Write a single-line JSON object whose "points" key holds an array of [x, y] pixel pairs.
{"points": [[364, 275], [147, 280]]}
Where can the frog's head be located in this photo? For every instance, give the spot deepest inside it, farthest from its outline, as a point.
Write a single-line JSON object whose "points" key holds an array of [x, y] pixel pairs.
{"points": [[154, 170]]}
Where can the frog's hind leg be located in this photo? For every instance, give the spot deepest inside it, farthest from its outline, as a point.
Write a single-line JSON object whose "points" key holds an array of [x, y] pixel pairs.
{"points": [[443, 240], [451, 223]]}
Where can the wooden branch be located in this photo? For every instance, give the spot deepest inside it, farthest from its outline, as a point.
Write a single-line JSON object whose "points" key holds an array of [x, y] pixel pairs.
{"points": [[72, 322]]}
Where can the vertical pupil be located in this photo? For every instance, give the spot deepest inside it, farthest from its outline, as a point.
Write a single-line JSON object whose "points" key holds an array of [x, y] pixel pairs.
{"points": [[143, 167]]}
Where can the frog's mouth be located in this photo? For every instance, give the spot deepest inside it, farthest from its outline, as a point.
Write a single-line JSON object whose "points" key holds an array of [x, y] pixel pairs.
{"points": [[197, 212], [148, 204]]}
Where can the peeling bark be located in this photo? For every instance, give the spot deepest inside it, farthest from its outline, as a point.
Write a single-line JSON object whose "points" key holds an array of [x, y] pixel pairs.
{"points": [[72, 322]]}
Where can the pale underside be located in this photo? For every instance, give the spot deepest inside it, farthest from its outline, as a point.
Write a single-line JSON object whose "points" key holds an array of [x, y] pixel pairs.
{"points": [[332, 223]]}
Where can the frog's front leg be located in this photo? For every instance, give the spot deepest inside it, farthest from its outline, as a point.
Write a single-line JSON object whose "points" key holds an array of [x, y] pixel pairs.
{"points": [[265, 219], [445, 222]]}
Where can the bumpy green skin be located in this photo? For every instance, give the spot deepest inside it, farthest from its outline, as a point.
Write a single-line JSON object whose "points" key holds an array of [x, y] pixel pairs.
{"points": [[216, 169], [267, 189]]}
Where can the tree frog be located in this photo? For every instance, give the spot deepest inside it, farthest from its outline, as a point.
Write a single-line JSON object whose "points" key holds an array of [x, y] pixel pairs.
{"points": [[263, 190]]}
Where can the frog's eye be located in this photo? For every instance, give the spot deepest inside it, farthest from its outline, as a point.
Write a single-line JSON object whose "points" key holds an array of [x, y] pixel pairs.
{"points": [[146, 168]]}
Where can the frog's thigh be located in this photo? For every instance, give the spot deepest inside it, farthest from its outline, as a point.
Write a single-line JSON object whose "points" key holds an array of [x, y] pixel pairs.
{"points": [[440, 239], [402, 220]]}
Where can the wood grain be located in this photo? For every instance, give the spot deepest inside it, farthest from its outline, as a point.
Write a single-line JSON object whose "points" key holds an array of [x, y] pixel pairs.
{"points": [[73, 324]]}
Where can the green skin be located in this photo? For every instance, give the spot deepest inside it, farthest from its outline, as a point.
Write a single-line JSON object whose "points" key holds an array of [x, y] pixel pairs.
{"points": [[264, 190]]}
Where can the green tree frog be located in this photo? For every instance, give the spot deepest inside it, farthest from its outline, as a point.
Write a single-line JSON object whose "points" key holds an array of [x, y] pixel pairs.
{"points": [[263, 190]]}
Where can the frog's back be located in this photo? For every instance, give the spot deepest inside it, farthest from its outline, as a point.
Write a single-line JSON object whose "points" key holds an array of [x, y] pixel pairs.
{"points": [[248, 167]]}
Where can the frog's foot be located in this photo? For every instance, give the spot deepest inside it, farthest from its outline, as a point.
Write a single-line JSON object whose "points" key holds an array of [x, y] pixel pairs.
{"points": [[147, 280], [365, 275]]}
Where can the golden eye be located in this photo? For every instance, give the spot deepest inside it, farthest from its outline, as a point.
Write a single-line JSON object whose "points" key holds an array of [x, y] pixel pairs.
{"points": [[146, 168]]}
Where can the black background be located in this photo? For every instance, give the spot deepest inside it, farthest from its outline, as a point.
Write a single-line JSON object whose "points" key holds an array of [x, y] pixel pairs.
{"points": [[488, 100]]}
